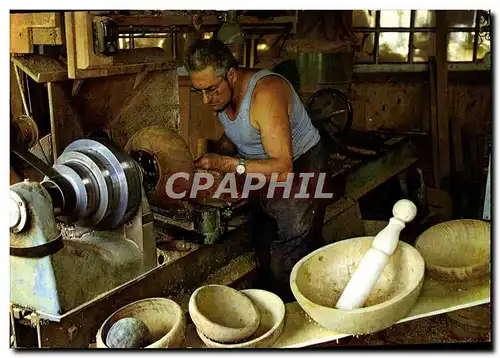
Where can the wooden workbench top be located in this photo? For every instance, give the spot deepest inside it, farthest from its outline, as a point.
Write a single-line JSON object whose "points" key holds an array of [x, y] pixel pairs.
{"points": [[301, 331]]}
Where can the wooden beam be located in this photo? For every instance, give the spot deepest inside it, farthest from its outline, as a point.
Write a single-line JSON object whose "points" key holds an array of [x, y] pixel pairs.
{"points": [[85, 56], [442, 93], [40, 20], [69, 28], [434, 123]]}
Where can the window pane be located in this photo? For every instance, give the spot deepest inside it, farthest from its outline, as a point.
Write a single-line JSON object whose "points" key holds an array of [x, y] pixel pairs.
{"points": [[393, 46], [425, 18], [460, 46], [363, 18], [461, 18], [364, 48], [395, 18], [483, 46], [423, 46]]}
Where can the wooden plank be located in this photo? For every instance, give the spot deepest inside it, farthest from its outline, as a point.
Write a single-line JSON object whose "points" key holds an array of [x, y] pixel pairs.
{"points": [[186, 20], [37, 20], [64, 125], [41, 68], [434, 123], [42, 36], [69, 28], [442, 93]]}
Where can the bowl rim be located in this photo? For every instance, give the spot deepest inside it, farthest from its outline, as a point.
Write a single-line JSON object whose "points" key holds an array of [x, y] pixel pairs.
{"points": [[175, 327], [193, 303], [260, 338], [452, 268], [397, 298]]}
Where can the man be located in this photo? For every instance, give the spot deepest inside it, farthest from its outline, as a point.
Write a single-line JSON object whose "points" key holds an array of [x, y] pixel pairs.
{"points": [[266, 122]]}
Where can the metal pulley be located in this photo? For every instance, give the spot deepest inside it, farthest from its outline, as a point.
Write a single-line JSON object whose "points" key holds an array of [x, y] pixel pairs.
{"points": [[105, 183]]}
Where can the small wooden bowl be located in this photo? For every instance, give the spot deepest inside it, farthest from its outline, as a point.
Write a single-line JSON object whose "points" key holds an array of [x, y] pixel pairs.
{"points": [[223, 314], [457, 252], [272, 319], [165, 319]]}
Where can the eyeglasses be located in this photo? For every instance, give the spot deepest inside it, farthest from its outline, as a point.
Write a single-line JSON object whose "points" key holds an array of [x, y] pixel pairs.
{"points": [[209, 92]]}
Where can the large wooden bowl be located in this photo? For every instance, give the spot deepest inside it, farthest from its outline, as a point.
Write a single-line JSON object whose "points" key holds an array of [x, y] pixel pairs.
{"points": [[164, 318], [457, 252], [318, 280]]}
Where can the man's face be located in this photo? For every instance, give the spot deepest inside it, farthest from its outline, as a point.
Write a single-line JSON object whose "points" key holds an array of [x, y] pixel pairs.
{"points": [[215, 90]]}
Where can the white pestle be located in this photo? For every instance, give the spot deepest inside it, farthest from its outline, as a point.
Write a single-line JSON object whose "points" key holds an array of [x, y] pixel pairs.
{"points": [[373, 263]]}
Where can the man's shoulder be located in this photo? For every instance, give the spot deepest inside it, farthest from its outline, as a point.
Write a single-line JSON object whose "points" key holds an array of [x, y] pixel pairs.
{"points": [[270, 86]]}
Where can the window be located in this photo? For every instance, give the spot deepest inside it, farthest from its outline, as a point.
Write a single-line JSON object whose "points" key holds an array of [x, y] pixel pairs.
{"points": [[408, 36]]}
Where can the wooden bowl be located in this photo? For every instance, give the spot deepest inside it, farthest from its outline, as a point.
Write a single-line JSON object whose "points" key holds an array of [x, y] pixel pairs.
{"points": [[272, 319], [223, 314], [318, 280], [165, 319], [457, 252]]}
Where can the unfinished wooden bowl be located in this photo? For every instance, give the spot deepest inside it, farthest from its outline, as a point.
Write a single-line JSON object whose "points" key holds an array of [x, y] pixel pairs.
{"points": [[223, 314], [318, 280], [165, 319], [272, 319], [457, 252]]}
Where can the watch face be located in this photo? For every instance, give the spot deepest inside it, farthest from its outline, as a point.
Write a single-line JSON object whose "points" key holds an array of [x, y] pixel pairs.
{"points": [[240, 169]]}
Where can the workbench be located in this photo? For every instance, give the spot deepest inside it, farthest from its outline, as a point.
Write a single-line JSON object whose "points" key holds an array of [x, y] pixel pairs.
{"points": [[301, 331]]}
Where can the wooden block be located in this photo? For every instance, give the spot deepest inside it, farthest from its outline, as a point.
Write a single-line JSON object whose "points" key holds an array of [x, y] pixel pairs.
{"points": [[20, 40], [184, 106], [42, 36], [85, 56]]}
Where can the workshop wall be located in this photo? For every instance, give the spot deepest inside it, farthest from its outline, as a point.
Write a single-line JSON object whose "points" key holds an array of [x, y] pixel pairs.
{"points": [[124, 104]]}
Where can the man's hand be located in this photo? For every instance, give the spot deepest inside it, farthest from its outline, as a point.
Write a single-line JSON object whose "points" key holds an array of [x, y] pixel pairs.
{"points": [[208, 161]]}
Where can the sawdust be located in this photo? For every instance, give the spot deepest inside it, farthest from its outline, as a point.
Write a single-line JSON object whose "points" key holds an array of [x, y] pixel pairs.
{"points": [[429, 330]]}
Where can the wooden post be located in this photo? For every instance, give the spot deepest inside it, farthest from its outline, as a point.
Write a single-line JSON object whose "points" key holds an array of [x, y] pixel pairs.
{"points": [[442, 93]]}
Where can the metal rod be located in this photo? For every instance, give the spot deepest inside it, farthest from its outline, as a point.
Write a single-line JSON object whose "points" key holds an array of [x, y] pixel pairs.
{"points": [[52, 123], [20, 85]]}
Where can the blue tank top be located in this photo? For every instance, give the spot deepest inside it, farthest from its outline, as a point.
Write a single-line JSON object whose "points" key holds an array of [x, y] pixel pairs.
{"points": [[248, 140]]}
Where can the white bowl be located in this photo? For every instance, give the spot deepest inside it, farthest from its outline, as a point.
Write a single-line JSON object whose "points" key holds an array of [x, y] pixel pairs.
{"points": [[272, 320], [223, 314]]}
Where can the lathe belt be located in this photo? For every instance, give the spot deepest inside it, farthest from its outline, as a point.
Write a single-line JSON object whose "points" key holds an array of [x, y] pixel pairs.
{"points": [[43, 250]]}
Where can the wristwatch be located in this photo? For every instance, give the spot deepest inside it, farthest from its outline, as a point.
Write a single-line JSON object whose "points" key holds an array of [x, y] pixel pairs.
{"points": [[241, 168]]}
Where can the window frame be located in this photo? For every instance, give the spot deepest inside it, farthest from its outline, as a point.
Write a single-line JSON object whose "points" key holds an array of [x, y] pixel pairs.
{"points": [[411, 30]]}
